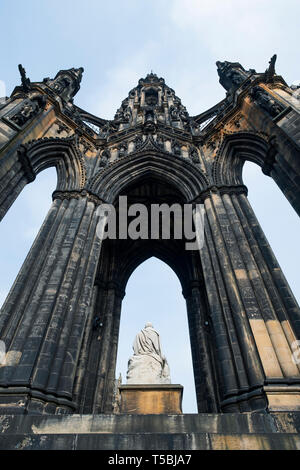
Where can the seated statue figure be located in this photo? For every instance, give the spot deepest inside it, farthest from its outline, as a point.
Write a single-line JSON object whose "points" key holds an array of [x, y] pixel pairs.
{"points": [[148, 365]]}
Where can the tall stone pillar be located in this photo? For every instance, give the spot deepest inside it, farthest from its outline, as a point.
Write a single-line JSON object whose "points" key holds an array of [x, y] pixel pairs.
{"points": [[43, 318], [251, 307], [98, 385], [200, 335]]}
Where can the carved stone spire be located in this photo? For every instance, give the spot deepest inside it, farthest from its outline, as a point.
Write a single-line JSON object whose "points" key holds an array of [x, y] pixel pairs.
{"points": [[66, 83], [25, 81], [151, 103], [232, 74]]}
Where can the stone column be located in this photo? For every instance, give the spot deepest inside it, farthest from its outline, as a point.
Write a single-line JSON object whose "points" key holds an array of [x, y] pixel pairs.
{"points": [[239, 368], [280, 314], [201, 349], [110, 306], [111, 374], [43, 318], [97, 382], [250, 317]]}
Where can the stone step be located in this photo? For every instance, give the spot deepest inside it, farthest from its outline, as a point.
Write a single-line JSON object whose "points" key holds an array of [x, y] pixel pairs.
{"points": [[151, 432], [148, 441], [227, 423]]}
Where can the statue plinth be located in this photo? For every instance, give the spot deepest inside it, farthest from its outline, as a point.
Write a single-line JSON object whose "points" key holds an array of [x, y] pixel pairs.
{"points": [[151, 398]]}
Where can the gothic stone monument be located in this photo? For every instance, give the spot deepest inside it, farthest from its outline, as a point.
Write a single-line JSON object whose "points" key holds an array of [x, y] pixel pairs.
{"points": [[149, 389], [60, 321]]}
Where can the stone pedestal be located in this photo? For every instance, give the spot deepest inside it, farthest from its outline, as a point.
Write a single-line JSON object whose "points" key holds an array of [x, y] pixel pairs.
{"points": [[283, 397], [151, 399]]}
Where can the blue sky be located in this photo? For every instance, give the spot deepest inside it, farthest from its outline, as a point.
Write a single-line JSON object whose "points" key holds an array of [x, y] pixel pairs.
{"points": [[117, 43]]}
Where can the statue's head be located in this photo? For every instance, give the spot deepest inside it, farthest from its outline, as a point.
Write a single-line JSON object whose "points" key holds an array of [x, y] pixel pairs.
{"points": [[148, 325]]}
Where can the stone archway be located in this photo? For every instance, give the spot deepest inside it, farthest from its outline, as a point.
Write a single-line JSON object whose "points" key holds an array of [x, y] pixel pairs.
{"points": [[118, 259]]}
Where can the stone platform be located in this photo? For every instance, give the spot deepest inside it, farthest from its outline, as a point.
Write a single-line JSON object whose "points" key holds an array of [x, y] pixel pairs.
{"points": [[245, 431], [151, 399]]}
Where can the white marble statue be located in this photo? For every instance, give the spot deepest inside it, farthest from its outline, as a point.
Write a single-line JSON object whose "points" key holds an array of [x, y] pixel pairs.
{"points": [[148, 365]]}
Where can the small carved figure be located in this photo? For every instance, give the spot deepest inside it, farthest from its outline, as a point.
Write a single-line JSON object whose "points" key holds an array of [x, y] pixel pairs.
{"points": [[151, 97], [174, 114], [160, 142], [27, 111], [61, 127], [266, 101], [194, 155], [184, 115], [122, 150], [86, 145], [124, 113], [138, 142], [61, 83], [176, 149], [104, 158], [235, 77]]}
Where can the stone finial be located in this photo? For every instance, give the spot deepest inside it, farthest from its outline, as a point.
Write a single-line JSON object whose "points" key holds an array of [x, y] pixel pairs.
{"points": [[25, 81]]}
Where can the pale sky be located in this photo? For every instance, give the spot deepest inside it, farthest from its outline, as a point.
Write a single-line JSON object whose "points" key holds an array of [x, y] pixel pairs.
{"points": [[117, 43]]}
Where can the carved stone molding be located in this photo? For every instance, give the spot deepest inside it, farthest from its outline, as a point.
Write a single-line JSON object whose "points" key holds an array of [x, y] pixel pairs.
{"points": [[254, 139], [266, 101], [68, 146], [26, 164], [221, 189], [24, 112], [77, 195], [61, 127], [269, 161]]}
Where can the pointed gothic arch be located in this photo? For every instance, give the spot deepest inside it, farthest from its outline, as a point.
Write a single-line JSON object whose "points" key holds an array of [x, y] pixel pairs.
{"points": [[262, 149], [235, 149], [64, 155], [163, 166], [118, 260], [34, 157]]}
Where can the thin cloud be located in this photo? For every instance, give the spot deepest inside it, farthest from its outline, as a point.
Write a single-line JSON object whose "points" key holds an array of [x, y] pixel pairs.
{"points": [[248, 31]]}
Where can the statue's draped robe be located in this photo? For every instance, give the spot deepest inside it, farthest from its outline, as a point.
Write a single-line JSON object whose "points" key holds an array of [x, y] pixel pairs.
{"points": [[147, 365]]}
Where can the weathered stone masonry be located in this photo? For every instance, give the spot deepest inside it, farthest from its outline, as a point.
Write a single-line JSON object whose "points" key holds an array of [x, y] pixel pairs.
{"points": [[60, 321]]}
